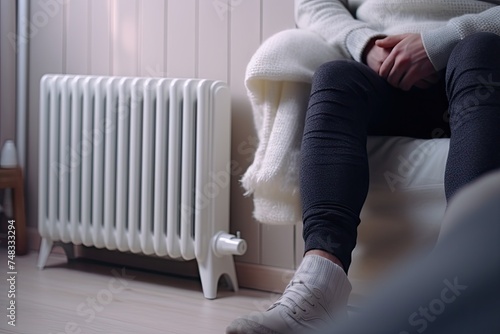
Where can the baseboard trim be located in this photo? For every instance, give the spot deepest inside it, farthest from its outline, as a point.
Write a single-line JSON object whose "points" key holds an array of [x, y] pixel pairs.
{"points": [[264, 278], [251, 276]]}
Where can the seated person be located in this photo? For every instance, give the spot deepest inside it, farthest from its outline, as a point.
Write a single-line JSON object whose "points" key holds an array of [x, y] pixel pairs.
{"points": [[411, 67]]}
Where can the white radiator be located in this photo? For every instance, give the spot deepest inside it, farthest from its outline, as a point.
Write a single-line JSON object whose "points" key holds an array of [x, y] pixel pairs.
{"points": [[138, 165]]}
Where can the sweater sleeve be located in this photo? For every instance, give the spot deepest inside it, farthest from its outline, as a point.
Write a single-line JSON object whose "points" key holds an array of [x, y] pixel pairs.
{"points": [[439, 43], [332, 20]]}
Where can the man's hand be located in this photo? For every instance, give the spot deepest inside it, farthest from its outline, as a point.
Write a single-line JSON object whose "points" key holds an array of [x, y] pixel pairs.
{"points": [[375, 55], [407, 64]]}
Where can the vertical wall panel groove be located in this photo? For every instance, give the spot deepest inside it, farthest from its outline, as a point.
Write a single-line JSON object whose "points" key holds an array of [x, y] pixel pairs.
{"points": [[125, 38], [181, 38], [197, 40], [277, 15], [261, 27], [100, 37], [213, 42], [64, 10], [245, 21], [89, 35], [152, 38], [165, 36], [112, 20], [76, 37], [140, 33]]}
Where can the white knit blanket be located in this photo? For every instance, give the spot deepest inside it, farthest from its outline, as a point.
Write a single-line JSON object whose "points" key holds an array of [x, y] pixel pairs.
{"points": [[278, 81]]}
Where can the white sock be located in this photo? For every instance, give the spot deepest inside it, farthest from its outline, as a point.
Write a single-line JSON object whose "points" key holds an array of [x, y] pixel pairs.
{"points": [[327, 276]]}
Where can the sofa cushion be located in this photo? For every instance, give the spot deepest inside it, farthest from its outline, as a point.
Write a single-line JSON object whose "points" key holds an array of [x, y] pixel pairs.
{"points": [[401, 164]]}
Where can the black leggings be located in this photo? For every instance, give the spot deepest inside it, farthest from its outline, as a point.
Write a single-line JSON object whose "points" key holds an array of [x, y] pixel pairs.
{"points": [[349, 101]]}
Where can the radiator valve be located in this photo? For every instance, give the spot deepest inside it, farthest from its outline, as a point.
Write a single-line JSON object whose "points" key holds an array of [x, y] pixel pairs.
{"points": [[229, 244]]}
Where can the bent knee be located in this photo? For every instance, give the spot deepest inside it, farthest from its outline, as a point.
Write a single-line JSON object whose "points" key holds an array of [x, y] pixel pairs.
{"points": [[474, 64], [479, 40], [476, 48], [338, 71]]}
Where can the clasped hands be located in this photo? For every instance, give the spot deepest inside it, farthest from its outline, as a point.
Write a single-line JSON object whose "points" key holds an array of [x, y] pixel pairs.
{"points": [[402, 61]]}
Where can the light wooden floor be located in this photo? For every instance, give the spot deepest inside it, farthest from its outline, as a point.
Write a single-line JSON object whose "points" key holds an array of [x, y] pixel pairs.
{"points": [[85, 297]]}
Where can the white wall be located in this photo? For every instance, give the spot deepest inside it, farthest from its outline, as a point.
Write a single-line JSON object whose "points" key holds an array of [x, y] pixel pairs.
{"points": [[176, 38]]}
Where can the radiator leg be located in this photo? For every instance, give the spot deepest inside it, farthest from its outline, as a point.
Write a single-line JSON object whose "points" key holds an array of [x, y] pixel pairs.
{"points": [[45, 249], [69, 250], [212, 268]]}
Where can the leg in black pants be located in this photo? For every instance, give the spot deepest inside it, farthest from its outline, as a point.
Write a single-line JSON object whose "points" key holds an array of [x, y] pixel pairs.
{"points": [[473, 88], [349, 102]]}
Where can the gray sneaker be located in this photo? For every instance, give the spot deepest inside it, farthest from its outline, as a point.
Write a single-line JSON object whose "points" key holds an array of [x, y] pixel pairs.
{"points": [[300, 309]]}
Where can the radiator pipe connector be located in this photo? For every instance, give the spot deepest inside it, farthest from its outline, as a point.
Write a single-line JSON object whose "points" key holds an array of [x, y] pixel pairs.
{"points": [[229, 244]]}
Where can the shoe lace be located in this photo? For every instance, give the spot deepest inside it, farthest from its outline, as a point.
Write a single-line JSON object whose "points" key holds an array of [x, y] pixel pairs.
{"points": [[287, 299]]}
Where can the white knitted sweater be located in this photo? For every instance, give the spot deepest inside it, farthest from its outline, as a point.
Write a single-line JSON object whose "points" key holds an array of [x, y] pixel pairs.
{"points": [[279, 74], [442, 23]]}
